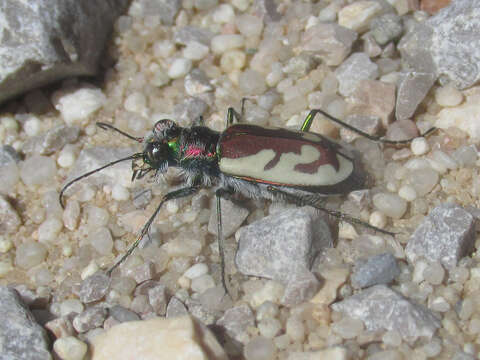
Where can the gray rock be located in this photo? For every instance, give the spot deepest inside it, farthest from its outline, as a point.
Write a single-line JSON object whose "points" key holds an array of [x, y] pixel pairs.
{"points": [[386, 28], [141, 198], [299, 66], [157, 297], [447, 44], [357, 67], [8, 155], [91, 318], [378, 269], [122, 314], [191, 33], [446, 235], [94, 287], [60, 327], [413, 86], [236, 322], [369, 124], [381, 308], [143, 272], [52, 141], [189, 109], [176, 308], [166, 10], [47, 40], [93, 158], [21, 337], [300, 289], [283, 247], [233, 216], [330, 42], [9, 218], [196, 82]]}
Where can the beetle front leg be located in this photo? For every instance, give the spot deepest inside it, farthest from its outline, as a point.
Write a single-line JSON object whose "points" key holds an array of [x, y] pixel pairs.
{"points": [[169, 196]]}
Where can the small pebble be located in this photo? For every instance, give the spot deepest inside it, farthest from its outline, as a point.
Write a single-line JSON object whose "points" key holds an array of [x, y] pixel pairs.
{"points": [[434, 273], [407, 193], [348, 328], [71, 306], [66, 158], [29, 254], [135, 102], [269, 327], [179, 68], [448, 96], [259, 348], [5, 244], [196, 271], [223, 43], [223, 14], [120, 193], [232, 59], [378, 219], [79, 104], [202, 283], [48, 231], [102, 241], [195, 51], [295, 329], [419, 146], [390, 204], [70, 348], [249, 25], [32, 126]]}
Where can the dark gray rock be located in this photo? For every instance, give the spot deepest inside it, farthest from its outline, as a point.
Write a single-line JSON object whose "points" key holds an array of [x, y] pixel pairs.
{"points": [[191, 33], [331, 43], [94, 287], [46, 40], [283, 247], [381, 308], [447, 44], [166, 10], [378, 269], [233, 216], [413, 86], [122, 314], [357, 67], [52, 141], [21, 337], [91, 318], [8, 155], [386, 28], [446, 235], [236, 322], [176, 308]]}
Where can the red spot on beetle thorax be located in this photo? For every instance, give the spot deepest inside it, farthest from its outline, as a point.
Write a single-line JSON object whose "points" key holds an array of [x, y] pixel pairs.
{"points": [[245, 140], [197, 151]]}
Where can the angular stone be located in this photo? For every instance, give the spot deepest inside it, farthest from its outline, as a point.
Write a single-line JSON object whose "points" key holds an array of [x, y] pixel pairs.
{"points": [[60, 327], [158, 339], [94, 287], [190, 109], [9, 219], [367, 123], [91, 318], [381, 308], [191, 33], [378, 269], [196, 82], [236, 322], [53, 140], [358, 15], [47, 40], [157, 298], [412, 89], [357, 67], [281, 245], [166, 10], [333, 280], [176, 308], [8, 155], [122, 314], [300, 289], [21, 337], [446, 235], [386, 28], [233, 216], [330, 42]]}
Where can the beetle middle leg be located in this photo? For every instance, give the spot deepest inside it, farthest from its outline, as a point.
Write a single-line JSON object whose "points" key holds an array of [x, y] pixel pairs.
{"points": [[183, 192]]}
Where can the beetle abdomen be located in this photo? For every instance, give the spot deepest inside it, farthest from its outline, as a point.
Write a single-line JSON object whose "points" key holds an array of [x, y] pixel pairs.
{"points": [[283, 157]]}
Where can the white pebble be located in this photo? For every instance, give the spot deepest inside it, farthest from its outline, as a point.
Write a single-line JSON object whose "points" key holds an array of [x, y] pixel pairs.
{"points": [[97, 217], [249, 25], [419, 146], [5, 267], [135, 102], [448, 96], [37, 170], [420, 266], [163, 49], [89, 270], [407, 193], [66, 158], [29, 254], [348, 328], [295, 329], [241, 5], [71, 306], [43, 277], [179, 68], [267, 310], [67, 250], [120, 193], [434, 273], [202, 283], [439, 304], [390, 204], [259, 348], [196, 271], [223, 14], [271, 291], [444, 159], [269, 327], [433, 348], [252, 82], [205, 4], [232, 60], [79, 104], [48, 231], [223, 43], [392, 338], [9, 177], [195, 51], [32, 126], [378, 219], [9, 123], [70, 348], [71, 214], [357, 16], [5, 244], [102, 241]]}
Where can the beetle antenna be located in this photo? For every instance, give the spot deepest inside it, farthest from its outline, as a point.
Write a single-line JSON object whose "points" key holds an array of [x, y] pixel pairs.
{"points": [[371, 137], [106, 126], [70, 183]]}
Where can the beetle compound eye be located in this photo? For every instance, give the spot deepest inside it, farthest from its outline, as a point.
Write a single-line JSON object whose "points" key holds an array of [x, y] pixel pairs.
{"points": [[165, 129]]}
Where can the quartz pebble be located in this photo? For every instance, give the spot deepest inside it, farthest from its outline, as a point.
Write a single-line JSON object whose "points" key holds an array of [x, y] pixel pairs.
{"points": [[419, 146], [357, 16], [30, 254], [37, 170], [223, 43], [390, 204], [179, 68], [196, 271], [448, 96], [348, 328], [259, 348], [78, 104], [70, 348]]}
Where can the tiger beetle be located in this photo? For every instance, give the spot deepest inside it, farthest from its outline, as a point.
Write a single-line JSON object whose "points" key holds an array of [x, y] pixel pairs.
{"points": [[258, 162]]}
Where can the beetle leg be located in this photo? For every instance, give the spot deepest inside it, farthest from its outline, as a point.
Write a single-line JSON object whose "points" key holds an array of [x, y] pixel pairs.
{"points": [[309, 119], [338, 214], [221, 240], [169, 196], [232, 115]]}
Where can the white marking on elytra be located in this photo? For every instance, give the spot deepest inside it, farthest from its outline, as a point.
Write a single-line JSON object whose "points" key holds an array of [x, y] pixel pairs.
{"points": [[284, 171]]}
